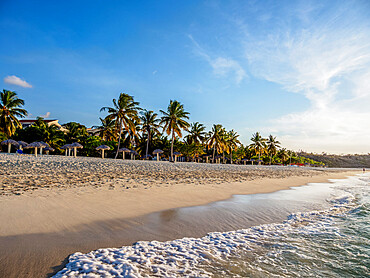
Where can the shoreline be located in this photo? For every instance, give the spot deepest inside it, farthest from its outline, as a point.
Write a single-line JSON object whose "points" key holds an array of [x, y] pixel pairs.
{"points": [[44, 254], [44, 226], [56, 210]]}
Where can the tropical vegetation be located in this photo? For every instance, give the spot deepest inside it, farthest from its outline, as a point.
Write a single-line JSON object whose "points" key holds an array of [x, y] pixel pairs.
{"points": [[127, 125]]}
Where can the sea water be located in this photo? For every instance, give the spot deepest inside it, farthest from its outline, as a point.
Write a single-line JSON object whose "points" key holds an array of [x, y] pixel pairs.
{"points": [[333, 241]]}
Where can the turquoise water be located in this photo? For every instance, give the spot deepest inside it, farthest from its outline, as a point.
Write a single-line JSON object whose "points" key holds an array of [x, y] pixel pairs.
{"points": [[327, 243], [329, 238]]}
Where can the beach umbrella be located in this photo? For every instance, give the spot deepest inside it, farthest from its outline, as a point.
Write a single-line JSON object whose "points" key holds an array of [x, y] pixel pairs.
{"points": [[76, 146], [157, 152], [10, 142], [176, 154], [218, 158], [207, 157], [103, 148], [245, 160], [133, 154], [48, 149], [44, 145], [35, 145], [124, 151], [22, 144], [66, 147]]}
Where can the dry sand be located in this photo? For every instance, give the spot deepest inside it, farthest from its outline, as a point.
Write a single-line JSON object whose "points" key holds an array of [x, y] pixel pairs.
{"points": [[53, 206]]}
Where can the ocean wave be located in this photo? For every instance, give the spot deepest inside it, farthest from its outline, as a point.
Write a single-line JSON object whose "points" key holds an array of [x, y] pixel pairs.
{"points": [[249, 252]]}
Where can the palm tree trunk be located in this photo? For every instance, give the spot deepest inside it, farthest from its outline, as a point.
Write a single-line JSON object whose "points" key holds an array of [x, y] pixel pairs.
{"points": [[231, 157], [173, 138], [147, 144], [214, 149], [270, 158], [259, 158], [119, 137]]}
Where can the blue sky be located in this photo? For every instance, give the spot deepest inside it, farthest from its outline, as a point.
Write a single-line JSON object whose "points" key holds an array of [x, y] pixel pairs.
{"points": [[298, 70]]}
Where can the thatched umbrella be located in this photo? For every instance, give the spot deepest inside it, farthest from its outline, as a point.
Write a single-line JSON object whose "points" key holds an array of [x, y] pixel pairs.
{"points": [[207, 157], [44, 145], [157, 152], [218, 158], [10, 142], [22, 144], [35, 145], [76, 146], [245, 160], [133, 154], [124, 151], [176, 154], [102, 148], [48, 149], [252, 160], [66, 147]]}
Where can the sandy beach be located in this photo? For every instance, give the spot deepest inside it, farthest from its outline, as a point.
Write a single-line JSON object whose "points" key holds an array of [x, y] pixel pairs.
{"points": [[52, 206]]}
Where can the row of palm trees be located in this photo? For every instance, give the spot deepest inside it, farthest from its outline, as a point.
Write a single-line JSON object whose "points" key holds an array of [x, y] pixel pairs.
{"points": [[126, 122], [125, 114]]}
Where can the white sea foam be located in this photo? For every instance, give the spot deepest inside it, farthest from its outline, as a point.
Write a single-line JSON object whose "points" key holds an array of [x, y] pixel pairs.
{"points": [[202, 257]]}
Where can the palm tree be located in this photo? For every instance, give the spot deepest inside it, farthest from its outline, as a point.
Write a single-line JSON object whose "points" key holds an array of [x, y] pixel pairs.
{"points": [[76, 131], [48, 133], [215, 139], [124, 112], [197, 134], [258, 145], [150, 125], [174, 120], [107, 129], [10, 109], [283, 155], [231, 142], [272, 146]]}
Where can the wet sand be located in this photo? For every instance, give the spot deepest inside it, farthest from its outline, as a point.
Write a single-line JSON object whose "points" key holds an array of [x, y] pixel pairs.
{"points": [[40, 228]]}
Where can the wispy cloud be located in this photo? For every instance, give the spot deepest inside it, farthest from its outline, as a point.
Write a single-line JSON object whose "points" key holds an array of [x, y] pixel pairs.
{"points": [[47, 115], [329, 63], [15, 80], [221, 66]]}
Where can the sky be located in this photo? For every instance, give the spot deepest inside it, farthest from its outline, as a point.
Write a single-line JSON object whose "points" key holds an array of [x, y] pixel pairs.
{"points": [[299, 70]]}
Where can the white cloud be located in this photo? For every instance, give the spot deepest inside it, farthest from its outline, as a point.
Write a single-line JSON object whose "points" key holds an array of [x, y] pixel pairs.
{"points": [[14, 80], [221, 66], [47, 115], [329, 63]]}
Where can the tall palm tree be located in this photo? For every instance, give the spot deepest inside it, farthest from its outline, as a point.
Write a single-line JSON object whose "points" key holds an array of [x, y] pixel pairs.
{"points": [[197, 134], [174, 120], [149, 125], [10, 109], [283, 155], [272, 146], [258, 145], [231, 142], [107, 129], [215, 139], [124, 112]]}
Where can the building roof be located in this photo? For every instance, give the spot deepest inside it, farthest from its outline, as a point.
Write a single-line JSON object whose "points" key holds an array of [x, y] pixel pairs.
{"points": [[34, 120]]}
